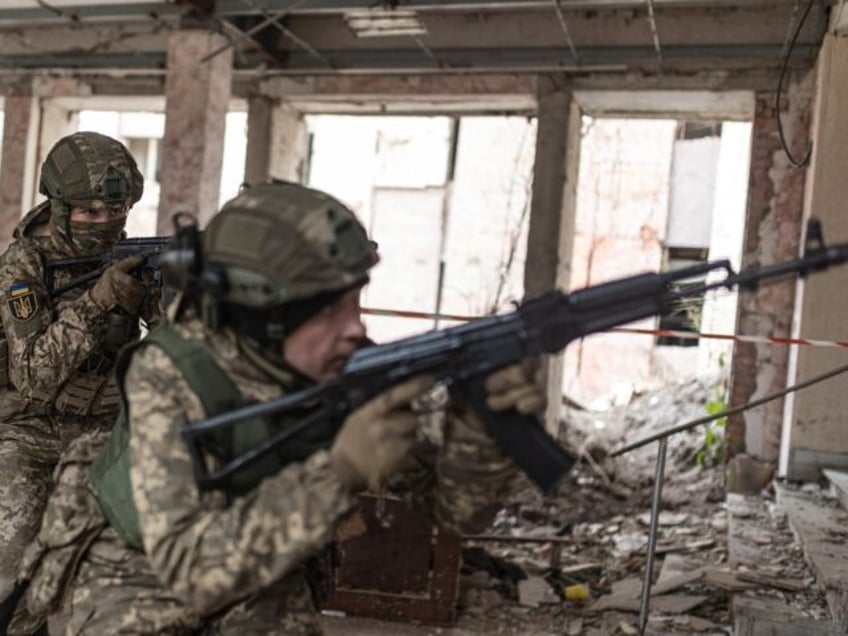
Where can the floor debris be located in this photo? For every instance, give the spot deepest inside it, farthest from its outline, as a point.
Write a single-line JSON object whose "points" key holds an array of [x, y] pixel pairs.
{"points": [[717, 555]]}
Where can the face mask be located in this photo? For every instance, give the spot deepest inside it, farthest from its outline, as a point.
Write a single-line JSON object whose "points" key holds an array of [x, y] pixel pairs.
{"points": [[96, 238]]}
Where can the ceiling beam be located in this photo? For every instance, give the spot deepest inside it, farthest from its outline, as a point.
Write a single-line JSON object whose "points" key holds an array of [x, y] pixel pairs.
{"points": [[765, 25], [384, 88], [496, 41]]}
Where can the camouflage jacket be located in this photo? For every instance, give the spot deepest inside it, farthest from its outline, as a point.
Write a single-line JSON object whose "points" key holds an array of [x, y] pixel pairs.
{"points": [[59, 351], [210, 552]]}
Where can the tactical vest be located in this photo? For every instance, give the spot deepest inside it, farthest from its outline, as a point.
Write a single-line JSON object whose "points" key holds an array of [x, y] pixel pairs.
{"points": [[110, 472]]}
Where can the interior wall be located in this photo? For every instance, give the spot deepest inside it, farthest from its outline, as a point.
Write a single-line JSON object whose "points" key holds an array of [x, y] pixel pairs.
{"points": [[814, 423], [627, 202]]}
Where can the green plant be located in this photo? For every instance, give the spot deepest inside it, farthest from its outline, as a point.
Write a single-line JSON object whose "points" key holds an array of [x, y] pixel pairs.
{"points": [[712, 449]]}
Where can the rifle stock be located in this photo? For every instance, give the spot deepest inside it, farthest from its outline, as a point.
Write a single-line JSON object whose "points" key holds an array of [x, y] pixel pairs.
{"points": [[464, 355]]}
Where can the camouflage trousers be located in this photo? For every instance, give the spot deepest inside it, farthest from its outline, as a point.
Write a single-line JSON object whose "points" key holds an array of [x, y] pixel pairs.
{"points": [[115, 592], [29, 450]]}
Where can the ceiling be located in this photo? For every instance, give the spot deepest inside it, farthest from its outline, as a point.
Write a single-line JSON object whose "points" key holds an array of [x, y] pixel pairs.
{"points": [[317, 37]]}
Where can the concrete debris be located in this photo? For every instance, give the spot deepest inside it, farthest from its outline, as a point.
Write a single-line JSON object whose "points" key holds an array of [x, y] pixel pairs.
{"points": [[682, 624], [747, 475], [781, 583], [692, 546], [678, 581], [535, 591], [726, 580], [574, 627], [820, 522], [586, 536], [670, 604], [626, 628], [666, 518], [581, 569], [629, 543], [765, 616]]}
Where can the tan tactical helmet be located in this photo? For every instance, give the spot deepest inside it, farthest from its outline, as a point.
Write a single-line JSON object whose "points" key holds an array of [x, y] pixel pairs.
{"points": [[92, 171], [281, 242]]}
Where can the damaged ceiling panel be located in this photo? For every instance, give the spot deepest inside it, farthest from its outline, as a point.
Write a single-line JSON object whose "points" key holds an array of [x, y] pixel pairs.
{"points": [[290, 37]]}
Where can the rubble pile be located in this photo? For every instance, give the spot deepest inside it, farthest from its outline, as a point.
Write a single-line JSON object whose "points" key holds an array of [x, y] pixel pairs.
{"points": [[573, 562]]}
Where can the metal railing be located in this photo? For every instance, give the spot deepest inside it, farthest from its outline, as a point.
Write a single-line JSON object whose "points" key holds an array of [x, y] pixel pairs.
{"points": [[662, 449]]}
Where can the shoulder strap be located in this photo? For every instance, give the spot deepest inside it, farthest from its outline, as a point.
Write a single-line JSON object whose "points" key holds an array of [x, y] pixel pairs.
{"points": [[110, 472], [217, 392]]}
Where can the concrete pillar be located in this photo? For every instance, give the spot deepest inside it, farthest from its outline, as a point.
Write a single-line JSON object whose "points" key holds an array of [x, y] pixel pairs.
{"points": [[197, 95], [772, 234], [552, 210], [277, 141], [20, 123], [56, 121], [814, 434]]}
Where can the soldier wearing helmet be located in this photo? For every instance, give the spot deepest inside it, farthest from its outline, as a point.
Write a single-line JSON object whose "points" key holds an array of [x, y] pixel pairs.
{"points": [[272, 307], [56, 355]]}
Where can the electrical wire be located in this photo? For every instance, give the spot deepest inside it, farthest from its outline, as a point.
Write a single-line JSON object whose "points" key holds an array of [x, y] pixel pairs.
{"points": [[244, 35], [564, 26], [73, 17], [652, 18], [289, 34], [784, 65]]}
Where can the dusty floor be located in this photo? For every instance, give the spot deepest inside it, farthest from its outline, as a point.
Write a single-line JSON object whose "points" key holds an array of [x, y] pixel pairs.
{"points": [[599, 520]]}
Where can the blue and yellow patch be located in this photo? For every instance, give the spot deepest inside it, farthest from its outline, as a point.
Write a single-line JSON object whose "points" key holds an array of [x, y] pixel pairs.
{"points": [[22, 301]]}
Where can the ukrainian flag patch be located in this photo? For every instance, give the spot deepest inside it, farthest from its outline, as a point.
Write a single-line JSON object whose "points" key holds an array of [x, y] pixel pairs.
{"points": [[22, 301]]}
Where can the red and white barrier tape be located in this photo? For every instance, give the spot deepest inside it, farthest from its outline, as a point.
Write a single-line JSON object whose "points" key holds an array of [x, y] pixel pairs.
{"points": [[650, 332]]}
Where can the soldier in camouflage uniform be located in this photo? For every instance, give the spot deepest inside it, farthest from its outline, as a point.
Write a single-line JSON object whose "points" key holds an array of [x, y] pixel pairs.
{"points": [[56, 353], [278, 311]]}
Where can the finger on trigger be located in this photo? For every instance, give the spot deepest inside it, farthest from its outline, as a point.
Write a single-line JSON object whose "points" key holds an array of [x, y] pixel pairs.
{"points": [[506, 399], [404, 424], [404, 393], [532, 404], [505, 379], [509, 399], [131, 262]]}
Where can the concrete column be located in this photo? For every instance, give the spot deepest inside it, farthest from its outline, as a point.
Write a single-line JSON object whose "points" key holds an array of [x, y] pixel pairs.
{"points": [[277, 141], [20, 123], [772, 233], [552, 210], [197, 95], [814, 434], [56, 121]]}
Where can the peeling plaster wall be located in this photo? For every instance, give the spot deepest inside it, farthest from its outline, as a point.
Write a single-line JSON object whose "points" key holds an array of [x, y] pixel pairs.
{"points": [[815, 430], [197, 97], [16, 131], [772, 233], [621, 219]]}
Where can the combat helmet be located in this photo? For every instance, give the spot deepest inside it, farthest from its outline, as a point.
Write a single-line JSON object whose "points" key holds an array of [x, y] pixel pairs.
{"points": [[92, 171], [282, 251]]}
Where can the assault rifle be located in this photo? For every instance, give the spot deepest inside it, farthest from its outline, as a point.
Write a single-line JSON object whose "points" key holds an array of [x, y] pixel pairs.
{"points": [[148, 247], [463, 356]]}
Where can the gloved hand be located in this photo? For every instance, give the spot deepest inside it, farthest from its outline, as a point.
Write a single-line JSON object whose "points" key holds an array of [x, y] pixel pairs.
{"points": [[375, 440], [116, 287], [515, 387]]}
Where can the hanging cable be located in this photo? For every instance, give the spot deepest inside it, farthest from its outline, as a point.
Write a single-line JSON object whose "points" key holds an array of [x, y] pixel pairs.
{"points": [[73, 17], [784, 65], [564, 26]]}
